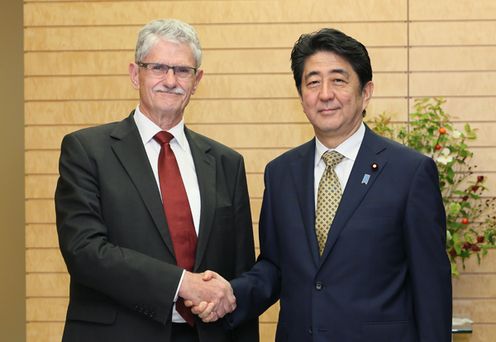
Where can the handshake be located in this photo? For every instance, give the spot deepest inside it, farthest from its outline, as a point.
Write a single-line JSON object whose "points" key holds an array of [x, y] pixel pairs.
{"points": [[208, 295]]}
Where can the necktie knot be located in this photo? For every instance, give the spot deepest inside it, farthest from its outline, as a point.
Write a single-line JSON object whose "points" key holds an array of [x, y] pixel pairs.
{"points": [[332, 158], [163, 137]]}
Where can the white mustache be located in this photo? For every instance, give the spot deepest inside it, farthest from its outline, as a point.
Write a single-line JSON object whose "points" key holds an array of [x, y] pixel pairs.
{"points": [[175, 91]]}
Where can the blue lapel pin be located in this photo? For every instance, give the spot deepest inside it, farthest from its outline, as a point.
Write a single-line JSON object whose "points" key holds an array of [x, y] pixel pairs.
{"points": [[365, 179]]}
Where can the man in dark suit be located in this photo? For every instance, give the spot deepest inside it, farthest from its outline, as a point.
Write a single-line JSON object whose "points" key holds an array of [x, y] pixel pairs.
{"points": [[144, 203], [352, 227]]}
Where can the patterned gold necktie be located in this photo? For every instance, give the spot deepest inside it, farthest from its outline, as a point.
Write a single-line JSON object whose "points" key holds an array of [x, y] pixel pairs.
{"points": [[328, 197]]}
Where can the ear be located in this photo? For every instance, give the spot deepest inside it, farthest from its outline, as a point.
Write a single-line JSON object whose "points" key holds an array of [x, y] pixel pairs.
{"points": [[134, 75], [198, 77], [367, 91]]}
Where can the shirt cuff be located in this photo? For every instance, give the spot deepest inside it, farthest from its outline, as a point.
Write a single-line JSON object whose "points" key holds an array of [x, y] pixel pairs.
{"points": [[179, 286]]}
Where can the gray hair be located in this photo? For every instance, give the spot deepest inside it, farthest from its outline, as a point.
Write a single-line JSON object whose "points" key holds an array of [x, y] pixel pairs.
{"points": [[170, 30]]}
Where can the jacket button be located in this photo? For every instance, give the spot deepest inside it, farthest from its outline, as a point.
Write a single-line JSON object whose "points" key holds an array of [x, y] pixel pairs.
{"points": [[310, 332], [318, 286]]}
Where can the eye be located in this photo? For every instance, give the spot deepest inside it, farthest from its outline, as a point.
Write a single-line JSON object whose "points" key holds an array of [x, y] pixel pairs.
{"points": [[313, 83], [183, 71], [157, 67]]}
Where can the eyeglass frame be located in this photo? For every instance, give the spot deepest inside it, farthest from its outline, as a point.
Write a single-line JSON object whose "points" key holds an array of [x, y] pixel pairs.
{"points": [[164, 69]]}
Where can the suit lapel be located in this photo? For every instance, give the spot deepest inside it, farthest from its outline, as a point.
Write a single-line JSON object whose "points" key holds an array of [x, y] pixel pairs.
{"points": [[357, 187], [205, 172], [302, 169], [130, 151]]}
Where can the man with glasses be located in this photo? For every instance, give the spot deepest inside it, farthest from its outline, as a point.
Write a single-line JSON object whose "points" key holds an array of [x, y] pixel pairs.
{"points": [[144, 205]]}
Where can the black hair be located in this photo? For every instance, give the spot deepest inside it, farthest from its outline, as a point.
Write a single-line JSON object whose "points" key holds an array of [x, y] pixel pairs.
{"points": [[331, 40]]}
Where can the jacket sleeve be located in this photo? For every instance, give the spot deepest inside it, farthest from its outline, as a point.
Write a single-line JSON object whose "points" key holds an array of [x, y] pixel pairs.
{"points": [[245, 250], [259, 288]]}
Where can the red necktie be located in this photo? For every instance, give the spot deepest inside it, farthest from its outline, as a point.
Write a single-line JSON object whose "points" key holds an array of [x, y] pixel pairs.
{"points": [[177, 212]]}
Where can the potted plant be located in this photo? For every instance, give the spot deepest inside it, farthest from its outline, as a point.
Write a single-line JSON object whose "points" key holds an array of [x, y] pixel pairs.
{"points": [[470, 216]]}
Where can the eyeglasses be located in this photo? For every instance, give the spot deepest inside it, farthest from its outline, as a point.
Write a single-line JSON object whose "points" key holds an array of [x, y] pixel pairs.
{"points": [[160, 70]]}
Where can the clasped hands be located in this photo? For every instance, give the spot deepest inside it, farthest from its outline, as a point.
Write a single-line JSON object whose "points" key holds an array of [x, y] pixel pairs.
{"points": [[208, 295]]}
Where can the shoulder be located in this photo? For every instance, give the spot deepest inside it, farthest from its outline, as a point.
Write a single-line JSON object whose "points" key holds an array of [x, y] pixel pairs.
{"points": [[402, 160], [393, 148], [94, 131], [300, 153]]}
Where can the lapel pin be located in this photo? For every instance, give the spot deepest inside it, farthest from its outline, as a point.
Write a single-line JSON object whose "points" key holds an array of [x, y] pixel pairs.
{"points": [[374, 166], [365, 179]]}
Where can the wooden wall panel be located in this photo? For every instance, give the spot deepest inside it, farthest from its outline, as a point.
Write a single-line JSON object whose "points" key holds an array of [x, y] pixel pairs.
{"points": [[482, 285], [482, 311], [233, 61], [197, 12], [76, 60], [44, 260], [43, 309], [483, 158], [40, 211], [453, 84], [453, 58], [213, 36], [50, 284], [452, 33], [44, 331], [485, 134], [40, 235], [472, 109], [452, 10], [487, 266]]}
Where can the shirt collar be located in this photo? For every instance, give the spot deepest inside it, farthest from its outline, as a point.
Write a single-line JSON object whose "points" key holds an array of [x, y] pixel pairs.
{"points": [[147, 129], [348, 148]]}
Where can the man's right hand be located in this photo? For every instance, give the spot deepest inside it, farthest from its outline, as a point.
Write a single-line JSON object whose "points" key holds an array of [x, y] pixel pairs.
{"points": [[208, 294]]}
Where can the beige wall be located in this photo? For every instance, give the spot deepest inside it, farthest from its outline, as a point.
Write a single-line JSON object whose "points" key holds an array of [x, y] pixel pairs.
{"points": [[76, 56], [12, 301]]}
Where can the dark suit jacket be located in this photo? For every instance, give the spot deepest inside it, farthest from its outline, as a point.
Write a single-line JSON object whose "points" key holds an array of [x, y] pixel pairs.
{"points": [[114, 238], [384, 275]]}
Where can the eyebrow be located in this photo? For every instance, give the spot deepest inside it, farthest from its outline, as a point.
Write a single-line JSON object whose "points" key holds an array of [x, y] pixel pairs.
{"points": [[333, 71]]}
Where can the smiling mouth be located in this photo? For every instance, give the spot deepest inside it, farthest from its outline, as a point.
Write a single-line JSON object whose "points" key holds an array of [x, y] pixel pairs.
{"points": [[170, 92], [328, 110]]}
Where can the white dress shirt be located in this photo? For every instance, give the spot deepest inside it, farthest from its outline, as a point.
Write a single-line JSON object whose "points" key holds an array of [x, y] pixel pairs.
{"points": [[180, 146], [348, 148]]}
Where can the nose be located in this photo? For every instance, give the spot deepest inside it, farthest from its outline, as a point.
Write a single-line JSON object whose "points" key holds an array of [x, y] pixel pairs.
{"points": [[169, 78], [327, 92]]}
